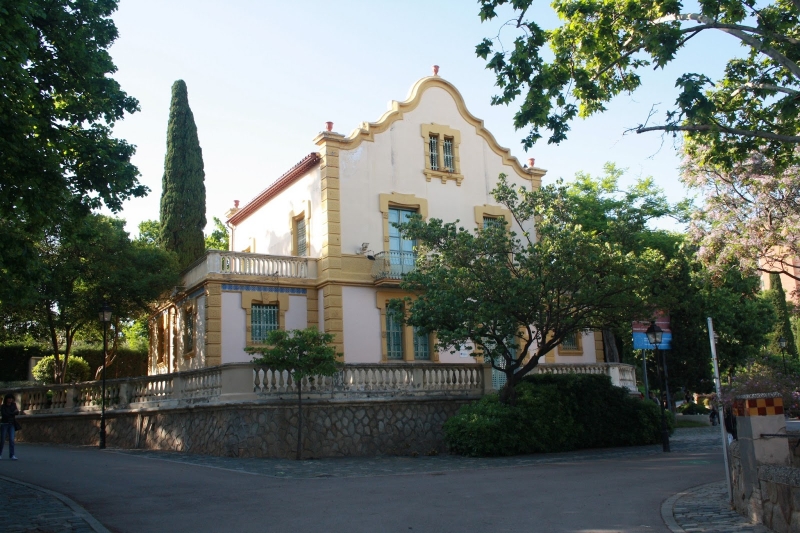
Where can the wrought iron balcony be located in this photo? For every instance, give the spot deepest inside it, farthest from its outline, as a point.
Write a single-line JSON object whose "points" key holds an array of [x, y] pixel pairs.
{"points": [[393, 265]]}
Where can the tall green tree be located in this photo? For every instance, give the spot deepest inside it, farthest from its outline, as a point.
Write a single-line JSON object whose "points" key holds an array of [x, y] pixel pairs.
{"points": [[783, 326], [600, 48], [517, 297], [58, 105], [183, 196], [218, 238], [79, 265]]}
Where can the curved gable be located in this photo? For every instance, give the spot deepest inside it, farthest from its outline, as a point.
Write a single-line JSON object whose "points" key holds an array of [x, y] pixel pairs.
{"points": [[367, 130]]}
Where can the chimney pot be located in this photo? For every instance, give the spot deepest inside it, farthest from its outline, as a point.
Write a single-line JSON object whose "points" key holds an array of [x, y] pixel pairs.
{"points": [[236, 204], [329, 126], [531, 161]]}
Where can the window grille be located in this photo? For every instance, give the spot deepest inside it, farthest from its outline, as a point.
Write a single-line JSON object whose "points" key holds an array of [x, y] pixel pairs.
{"points": [[433, 146], [449, 159], [570, 342], [263, 319], [394, 335], [422, 349], [300, 229], [491, 222]]}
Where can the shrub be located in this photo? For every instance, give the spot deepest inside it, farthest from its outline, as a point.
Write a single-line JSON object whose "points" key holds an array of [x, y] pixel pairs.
{"points": [[555, 413], [14, 360], [77, 370]]}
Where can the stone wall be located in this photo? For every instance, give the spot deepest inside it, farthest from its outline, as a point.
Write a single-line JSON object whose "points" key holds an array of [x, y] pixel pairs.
{"points": [[260, 429]]}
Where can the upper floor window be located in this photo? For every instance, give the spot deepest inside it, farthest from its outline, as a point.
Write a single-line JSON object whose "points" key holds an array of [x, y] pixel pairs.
{"points": [[442, 159], [571, 345], [301, 247]]}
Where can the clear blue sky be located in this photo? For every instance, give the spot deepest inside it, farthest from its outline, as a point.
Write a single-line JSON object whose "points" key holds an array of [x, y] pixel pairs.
{"points": [[263, 77]]}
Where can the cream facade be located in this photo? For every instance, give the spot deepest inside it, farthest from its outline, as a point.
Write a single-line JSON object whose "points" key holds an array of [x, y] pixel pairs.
{"points": [[318, 246]]}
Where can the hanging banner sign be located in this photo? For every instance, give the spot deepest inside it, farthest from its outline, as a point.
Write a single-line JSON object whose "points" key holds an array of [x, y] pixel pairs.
{"points": [[640, 341]]}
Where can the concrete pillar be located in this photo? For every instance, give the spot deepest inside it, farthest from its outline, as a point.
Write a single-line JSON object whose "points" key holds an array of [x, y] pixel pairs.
{"points": [[238, 384], [757, 415], [488, 387]]}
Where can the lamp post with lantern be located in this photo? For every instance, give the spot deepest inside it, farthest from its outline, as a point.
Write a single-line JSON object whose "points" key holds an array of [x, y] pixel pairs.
{"points": [[782, 342], [654, 337], [105, 318]]}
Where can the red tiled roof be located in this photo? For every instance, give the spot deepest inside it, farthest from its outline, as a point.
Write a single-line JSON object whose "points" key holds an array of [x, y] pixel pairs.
{"points": [[289, 177]]}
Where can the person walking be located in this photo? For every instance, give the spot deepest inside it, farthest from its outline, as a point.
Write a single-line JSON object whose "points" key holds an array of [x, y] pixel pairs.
{"points": [[8, 425]]}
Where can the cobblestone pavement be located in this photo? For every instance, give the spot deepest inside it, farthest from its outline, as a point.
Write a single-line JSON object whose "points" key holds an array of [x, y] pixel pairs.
{"points": [[25, 508], [705, 509]]}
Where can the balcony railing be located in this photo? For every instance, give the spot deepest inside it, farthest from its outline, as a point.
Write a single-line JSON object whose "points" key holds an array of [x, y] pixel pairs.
{"points": [[245, 264], [393, 265]]}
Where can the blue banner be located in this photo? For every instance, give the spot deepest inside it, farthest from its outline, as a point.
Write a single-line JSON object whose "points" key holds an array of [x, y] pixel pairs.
{"points": [[640, 341]]}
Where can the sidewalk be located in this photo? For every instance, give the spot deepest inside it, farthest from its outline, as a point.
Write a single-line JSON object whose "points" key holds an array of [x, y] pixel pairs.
{"points": [[29, 508]]}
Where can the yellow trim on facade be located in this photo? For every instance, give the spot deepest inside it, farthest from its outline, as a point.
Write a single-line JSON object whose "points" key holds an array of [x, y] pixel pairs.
{"points": [[494, 211], [441, 133], [264, 298], [330, 263], [382, 300], [599, 347], [408, 201], [367, 130], [213, 324]]}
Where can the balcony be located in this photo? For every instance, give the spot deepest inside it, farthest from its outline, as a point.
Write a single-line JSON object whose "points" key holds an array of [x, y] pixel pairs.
{"points": [[393, 265], [242, 264]]}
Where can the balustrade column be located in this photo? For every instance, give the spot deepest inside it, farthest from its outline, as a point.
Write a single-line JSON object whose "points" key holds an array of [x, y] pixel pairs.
{"points": [[488, 387], [69, 400], [124, 395]]}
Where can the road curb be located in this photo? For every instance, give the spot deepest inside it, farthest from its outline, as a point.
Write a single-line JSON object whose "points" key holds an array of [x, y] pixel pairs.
{"points": [[667, 513], [76, 508]]}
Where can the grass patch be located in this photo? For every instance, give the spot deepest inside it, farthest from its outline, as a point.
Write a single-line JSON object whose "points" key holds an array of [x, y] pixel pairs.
{"points": [[689, 424]]}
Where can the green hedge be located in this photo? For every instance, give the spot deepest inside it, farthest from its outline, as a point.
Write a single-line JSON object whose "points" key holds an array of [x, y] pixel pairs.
{"points": [[555, 413], [691, 408], [14, 360]]}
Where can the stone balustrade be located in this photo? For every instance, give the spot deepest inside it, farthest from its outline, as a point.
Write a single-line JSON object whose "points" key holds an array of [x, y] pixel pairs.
{"points": [[247, 264], [622, 375], [240, 382]]}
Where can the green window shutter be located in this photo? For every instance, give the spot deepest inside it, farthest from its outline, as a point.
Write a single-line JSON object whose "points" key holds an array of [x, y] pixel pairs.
{"points": [[422, 348], [263, 319], [301, 237], [394, 336]]}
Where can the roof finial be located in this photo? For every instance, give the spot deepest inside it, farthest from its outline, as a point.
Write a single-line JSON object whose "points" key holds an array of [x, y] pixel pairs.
{"points": [[236, 204], [436, 70], [531, 161], [329, 126]]}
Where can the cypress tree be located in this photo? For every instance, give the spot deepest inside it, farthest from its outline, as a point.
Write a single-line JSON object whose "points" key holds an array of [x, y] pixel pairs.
{"points": [[783, 325], [183, 196]]}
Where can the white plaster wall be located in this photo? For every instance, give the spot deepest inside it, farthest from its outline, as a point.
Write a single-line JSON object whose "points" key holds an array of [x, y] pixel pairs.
{"points": [[589, 353], [461, 356], [362, 325], [233, 329], [394, 163], [297, 315], [270, 226]]}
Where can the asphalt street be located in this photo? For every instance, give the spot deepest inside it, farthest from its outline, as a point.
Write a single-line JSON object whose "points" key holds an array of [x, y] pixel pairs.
{"points": [[621, 490]]}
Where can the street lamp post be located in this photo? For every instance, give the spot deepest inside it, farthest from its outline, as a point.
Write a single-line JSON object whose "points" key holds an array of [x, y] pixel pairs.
{"points": [[105, 318], [654, 336], [782, 342]]}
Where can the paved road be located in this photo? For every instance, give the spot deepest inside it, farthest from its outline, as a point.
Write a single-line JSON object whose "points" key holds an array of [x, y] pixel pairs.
{"points": [[622, 490]]}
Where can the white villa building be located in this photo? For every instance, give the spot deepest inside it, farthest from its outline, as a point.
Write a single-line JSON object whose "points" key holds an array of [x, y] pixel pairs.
{"points": [[316, 247]]}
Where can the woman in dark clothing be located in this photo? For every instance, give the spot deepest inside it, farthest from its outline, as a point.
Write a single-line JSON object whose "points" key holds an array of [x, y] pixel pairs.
{"points": [[8, 414]]}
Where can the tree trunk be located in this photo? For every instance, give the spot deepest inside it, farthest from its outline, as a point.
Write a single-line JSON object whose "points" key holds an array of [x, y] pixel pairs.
{"points": [[299, 419], [508, 394]]}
